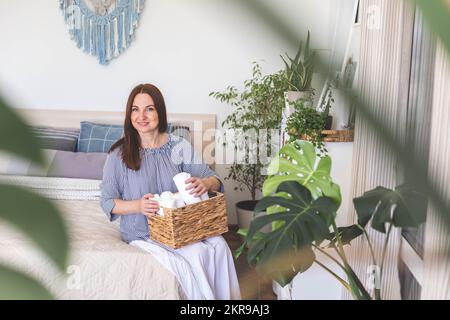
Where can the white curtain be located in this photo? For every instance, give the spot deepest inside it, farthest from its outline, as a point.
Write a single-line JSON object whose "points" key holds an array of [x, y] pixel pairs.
{"points": [[436, 283], [386, 46]]}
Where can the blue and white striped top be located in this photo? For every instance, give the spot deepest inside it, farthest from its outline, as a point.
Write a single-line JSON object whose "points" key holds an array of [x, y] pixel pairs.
{"points": [[158, 167]]}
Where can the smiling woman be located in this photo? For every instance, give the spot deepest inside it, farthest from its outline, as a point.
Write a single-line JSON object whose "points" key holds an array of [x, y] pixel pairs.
{"points": [[142, 164]]}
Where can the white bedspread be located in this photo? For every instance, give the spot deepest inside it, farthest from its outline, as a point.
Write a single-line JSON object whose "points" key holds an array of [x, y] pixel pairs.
{"points": [[101, 265]]}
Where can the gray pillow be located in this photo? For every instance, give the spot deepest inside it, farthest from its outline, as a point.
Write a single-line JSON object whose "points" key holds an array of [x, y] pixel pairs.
{"points": [[64, 139], [64, 164]]}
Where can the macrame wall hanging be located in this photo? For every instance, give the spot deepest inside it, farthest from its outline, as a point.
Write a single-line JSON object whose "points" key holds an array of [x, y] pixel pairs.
{"points": [[103, 28]]}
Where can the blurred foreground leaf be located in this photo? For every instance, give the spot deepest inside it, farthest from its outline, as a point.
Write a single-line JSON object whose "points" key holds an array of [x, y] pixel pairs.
{"points": [[14, 285], [437, 14], [38, 218], [15, 136]]}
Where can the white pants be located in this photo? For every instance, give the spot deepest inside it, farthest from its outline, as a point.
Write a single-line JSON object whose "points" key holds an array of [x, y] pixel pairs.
{"points": [[205, 270]]}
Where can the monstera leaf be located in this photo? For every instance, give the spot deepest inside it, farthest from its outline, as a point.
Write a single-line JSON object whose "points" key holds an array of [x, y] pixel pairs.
{"points": [[403, 207], [300, 165], [305, 221]]}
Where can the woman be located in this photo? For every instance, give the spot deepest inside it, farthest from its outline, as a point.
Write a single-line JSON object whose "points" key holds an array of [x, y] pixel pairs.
{"points": [[142, 164]]}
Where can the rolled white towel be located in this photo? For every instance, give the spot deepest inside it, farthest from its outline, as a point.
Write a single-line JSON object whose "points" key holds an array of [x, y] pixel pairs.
{"points": [[180, 182], [168, 203], [167, 195], [179, 200], [157, 198], [204, 196]]}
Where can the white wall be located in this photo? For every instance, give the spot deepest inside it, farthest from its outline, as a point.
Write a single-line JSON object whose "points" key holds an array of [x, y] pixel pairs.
{"points": [[187, 48]]}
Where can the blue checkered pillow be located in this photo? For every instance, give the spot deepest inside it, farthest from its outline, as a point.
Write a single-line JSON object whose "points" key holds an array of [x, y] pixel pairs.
{"points": [[97, 137]]}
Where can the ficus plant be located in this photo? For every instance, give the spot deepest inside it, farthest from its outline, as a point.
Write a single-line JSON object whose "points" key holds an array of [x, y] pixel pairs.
{"points": [[306, 201], [258, 106]]}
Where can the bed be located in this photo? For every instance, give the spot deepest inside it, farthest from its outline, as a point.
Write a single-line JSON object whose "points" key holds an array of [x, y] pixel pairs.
{"points": [[101, 266]]}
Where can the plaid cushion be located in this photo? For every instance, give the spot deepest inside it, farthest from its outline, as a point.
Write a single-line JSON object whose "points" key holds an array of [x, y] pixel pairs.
{"points": [[98, 137]]}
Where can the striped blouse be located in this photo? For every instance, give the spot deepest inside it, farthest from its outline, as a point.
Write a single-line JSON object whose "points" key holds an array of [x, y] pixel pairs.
{"points": [[158, 167]]}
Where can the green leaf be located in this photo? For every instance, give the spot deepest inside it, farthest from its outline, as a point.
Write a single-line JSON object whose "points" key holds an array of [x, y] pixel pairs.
{"points": [[306, 221], [299, 166], [403, 207], [283, 267], [277, 209], [18, 286], [348, 234], [38, 218], [299, 52], [239, 251], [365, 205], [437, 14], [16, 137], [242, 232]]}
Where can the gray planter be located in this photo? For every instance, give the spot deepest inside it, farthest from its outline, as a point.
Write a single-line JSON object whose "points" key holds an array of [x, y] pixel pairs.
{"points": [[244, 212]]}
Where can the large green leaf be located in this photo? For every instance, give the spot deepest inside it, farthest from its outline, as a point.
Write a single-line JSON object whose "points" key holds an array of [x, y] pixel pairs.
{"points": [[15, 137], [305, 221], [15, 285], [299, 165], [284, 267], [38, 218], [437, 13], [403, 207]]}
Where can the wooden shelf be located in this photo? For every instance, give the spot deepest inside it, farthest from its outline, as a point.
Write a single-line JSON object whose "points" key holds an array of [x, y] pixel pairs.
{"points": [[334, 136]]}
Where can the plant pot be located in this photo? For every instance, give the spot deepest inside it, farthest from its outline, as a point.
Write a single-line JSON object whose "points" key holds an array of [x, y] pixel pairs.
{"points": [[329, 123], [289, 96], [244, 211], [292, 96]]}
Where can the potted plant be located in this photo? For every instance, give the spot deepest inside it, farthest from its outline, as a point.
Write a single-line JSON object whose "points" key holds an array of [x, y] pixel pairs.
{"points": [[307, 123], [258, 106], [326, 103], [298, 73], [301, 188]]}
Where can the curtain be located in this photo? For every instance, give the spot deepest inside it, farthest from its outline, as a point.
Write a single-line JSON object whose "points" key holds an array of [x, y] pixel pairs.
{"points": [[386, 46], [436, 284]]}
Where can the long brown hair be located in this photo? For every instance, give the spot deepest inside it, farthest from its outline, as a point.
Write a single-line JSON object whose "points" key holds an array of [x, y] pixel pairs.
{"points": [[131, 142]]}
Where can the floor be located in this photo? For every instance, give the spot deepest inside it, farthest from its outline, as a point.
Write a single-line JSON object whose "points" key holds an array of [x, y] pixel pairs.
{"points": [[253, 286]]}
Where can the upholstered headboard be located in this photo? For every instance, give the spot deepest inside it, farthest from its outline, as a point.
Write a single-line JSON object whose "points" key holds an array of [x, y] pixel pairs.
{"points": [[201, 126]]}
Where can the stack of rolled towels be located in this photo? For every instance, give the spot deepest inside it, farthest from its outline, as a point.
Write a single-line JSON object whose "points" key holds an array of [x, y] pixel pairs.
{"points": [[171, 200]]}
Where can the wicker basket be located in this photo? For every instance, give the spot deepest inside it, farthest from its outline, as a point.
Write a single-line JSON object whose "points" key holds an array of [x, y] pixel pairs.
{"points": [[191, 223]]}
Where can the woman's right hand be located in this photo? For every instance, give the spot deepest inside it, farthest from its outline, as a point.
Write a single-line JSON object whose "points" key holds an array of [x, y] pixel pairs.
{"points": [[148, 207]]}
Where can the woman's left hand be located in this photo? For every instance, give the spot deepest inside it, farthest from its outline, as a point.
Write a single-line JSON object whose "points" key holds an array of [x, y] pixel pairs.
{"points": [[197, 186]]}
